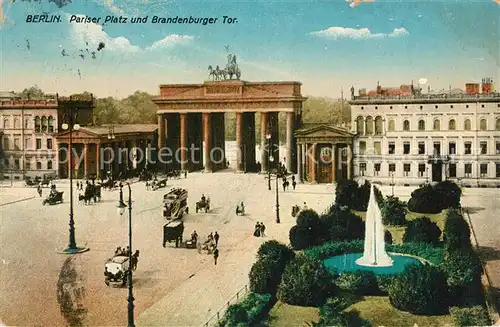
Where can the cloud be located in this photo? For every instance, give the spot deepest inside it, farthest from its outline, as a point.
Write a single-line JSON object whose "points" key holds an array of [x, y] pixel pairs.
{"points": [[90, 34], [337, 32]]}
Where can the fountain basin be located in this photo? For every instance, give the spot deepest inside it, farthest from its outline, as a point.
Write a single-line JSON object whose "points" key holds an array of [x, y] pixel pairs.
{"points": [[347, 263]]}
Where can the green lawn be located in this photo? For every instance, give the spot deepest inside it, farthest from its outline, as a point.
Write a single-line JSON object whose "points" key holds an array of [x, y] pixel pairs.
{"points": [[380, 312], [397, 232], [285, 315]]}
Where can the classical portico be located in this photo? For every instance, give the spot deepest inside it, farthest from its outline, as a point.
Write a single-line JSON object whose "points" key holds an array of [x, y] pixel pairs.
{"points": [[191, 122], [324, 153], [96, 150]]}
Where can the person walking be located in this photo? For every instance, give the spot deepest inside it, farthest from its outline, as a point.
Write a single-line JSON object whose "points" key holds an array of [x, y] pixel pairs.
{"points": [[262, 229], [216, 256], [294, 183], [284, 186], [185, 174], [39, 190], [216, 239]]}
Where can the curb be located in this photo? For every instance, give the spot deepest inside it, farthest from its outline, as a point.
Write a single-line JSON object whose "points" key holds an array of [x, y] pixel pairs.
{"points": [[16, 201], [486, 281]]}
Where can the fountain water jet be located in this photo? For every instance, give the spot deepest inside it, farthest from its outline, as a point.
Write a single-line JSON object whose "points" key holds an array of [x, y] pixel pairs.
{"points": [[374, 253]]}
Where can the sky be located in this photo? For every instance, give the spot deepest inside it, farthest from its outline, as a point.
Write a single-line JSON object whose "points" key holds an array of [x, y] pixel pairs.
{"points": [[325, 45]]}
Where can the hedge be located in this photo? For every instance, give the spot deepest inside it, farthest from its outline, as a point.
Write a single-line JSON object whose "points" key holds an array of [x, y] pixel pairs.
{"points": [[471, 316], [432, 254], [247, 311]]}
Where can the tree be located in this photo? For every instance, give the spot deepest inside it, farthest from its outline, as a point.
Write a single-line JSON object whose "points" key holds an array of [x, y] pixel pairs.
{"points": [[276, 251], [456, 233], [106, 111], [307, 232], [420, 289], [341, 224], [305, 282], [463, 268], [33, 92], [422, 230], [448, 194], [138, 108], [424, 200], [393, 211]]}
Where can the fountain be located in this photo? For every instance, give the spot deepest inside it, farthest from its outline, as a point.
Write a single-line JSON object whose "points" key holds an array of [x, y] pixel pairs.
{"points": [[374, 256], [374, 251]]}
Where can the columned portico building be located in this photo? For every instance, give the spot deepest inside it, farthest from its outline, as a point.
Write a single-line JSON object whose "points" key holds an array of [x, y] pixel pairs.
{"points": [[324, 153], [191, 122], [98, 150]]}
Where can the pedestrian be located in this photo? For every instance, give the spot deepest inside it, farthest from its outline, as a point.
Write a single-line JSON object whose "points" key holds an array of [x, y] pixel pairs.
{"points": [[262, 229], [294, 183], [216, 256], [147, 186], [284, 186], [257, 230], [185, 174], [216, 239], [293, 178], [39, 190]]}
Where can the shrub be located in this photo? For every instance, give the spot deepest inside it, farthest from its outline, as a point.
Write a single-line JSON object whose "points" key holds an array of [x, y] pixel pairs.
{"points": [[422, 230], [235, 315], [423, 200], [359, 282], [275, 250], [349, 194], [448, 193], [456, 233], [387, 237], [393, 211], [342, 224], [247, 312], [307, 232], [330, 249], [332, 314], [472, 316], [305, 282], [420, 289], [383, 282]]}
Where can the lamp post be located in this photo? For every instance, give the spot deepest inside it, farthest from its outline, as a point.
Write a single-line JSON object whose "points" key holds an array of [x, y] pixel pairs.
{"points": [[271, 158], [121, 209], [111, 136], [72, 248], [278, 175]]}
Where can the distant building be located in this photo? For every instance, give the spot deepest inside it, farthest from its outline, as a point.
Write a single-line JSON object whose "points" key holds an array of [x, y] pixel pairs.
{"points": [[413, 139]]}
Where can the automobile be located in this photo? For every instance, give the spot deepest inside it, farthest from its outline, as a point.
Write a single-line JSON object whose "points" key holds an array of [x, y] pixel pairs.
{"points": [[116, 271]]}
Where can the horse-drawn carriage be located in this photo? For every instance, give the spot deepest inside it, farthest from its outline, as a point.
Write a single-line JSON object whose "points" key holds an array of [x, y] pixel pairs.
{"points": [[109, 184], [175, 203], [207, 247], [157, 184], [30, 182], [172, 232], [91, 192], [174, 174], [53, 198], [204, 203], [116, 269]]}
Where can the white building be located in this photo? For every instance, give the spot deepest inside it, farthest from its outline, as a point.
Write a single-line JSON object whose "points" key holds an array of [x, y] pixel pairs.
{"points": [[409, 140]]}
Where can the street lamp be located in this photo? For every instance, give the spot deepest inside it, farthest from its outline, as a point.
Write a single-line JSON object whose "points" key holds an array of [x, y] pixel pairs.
{"points": [[277, 200], [72, 248], [271, 159], [121, 210]]}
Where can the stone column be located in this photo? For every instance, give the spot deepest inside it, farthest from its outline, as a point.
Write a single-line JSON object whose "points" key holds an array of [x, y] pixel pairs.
{"points": [[239, 142], [134, 154], [85, 160], [207, 139], [161, 131], [98, 159], [289, 140], [349, 161], [183, 141], [299, 163], [314, 166], [303, 161], [264, 156]]}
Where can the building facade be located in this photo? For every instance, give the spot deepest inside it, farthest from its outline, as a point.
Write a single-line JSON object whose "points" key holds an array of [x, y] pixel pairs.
{"points": [[410, 140]]}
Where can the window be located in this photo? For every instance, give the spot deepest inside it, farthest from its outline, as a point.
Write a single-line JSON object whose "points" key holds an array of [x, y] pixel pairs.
{"points": [[452, 125], [378, 126], [421, 147], [51, 124], [452, 148], [27, 124], [376, 169], [407, 169], [483, 145], [6, 123], [497, 169], [17, 144], [49, 144], [406, 147], [468, 148], [392, 168], [6, 145], [27, 143], [468, 170], [392, 147], [38, 144], [369, 125], [377, 147], [482, 124], [467, 125], [38, 127], [421, 170], [362, 168], [406, 125], [44, 124], [421, 125], [17, 166], [483, 168], [497, 124], [49, 164], [497, 146], [360, 125], [38, 165], [27, 164], [392, 125], [452, 169], [437, 125], [437, 148], [16, 123]]}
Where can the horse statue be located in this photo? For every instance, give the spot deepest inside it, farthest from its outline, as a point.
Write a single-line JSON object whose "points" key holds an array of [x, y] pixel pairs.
{"points": [[232, 68], [212, 73]]}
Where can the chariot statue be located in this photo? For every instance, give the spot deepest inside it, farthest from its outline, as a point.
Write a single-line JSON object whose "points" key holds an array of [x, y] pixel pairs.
{"points": [[231, 69]]}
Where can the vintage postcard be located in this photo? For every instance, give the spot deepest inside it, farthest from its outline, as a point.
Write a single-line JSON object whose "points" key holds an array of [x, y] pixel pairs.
{"points": [[249, 163]]}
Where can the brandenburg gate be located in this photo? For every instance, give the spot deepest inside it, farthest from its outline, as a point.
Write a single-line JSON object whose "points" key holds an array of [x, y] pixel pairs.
{"points": [[192, 116]]}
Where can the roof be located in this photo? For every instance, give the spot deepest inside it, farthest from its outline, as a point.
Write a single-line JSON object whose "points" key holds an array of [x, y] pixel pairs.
{"points": [[174, 223], [9, 95], [320, 130], [121, 129], [120, 259]]}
